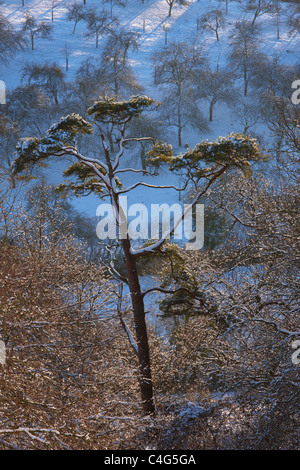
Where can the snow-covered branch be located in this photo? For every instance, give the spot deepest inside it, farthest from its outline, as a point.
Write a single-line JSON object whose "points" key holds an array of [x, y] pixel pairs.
{"points": [[148, 185], [167, 234]]}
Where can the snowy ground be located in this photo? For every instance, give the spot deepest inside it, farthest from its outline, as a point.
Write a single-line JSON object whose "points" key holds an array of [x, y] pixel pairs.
{"points": [[149, 19]]}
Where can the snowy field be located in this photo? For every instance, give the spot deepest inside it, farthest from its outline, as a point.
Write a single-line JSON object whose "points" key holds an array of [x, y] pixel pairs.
{"points": [[149, 18]]}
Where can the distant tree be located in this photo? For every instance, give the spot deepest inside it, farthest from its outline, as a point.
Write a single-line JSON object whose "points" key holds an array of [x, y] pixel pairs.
{"points": [[271, 77], [217, 86], [244, 49], [120, 3], [172, 3], [99, 23], [76, 13], [183, 111], [227, 3], [10, 39], [55, 218], [50, 77], [276, 11], [294, 19], [248, 115], [115, 69], [30, 108], [178, 69], [258, 8], [272, 81], [51, 212], [67, 52], [284, 123], [123, 40], [36, 29], [88, 84], [213, 21], [54, 4], [146, 126]]}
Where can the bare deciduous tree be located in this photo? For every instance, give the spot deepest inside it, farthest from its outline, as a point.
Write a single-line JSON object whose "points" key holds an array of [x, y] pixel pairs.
{"points": [[227, 3], [120, 3], [10, 39], [115, 70], [67, 53], [36, 29], [294, 19], [76, 13], [50, 77], [99, 24], [213, 20], [217, 87], [258, 8], [172, 3], [179, 66], [244, 49]]}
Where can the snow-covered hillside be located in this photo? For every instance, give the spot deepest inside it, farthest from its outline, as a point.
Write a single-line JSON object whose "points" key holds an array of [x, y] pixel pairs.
{"points": [[150, 19], [147, 18]]}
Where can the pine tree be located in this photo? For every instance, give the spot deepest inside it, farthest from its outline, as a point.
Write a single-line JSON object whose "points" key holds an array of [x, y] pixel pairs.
{"points": [[102, 177]]}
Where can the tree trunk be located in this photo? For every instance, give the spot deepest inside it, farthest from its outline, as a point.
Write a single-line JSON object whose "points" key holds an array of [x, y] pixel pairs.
{"points": [[245, 82], [138, 308], [145, 380], [217, 27], [256, 14], [143, 158], [211, 107], [179, 121], [179, 135]]}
